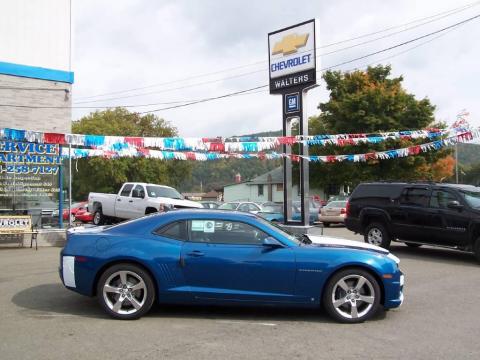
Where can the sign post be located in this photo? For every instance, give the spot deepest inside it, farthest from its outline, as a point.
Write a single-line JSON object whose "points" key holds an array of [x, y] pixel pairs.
{"points": [[292, 72]]}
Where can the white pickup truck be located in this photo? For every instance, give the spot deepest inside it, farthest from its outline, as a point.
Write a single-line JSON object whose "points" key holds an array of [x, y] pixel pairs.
{"points": [[136, 200]]}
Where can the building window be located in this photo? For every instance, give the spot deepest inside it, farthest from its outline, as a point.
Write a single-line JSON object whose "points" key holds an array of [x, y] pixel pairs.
{"points": [[260, 190], [279, 187]]}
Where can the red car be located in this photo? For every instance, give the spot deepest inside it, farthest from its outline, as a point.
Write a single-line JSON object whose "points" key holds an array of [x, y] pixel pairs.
{"points": [[84, 216], [77, 209]]}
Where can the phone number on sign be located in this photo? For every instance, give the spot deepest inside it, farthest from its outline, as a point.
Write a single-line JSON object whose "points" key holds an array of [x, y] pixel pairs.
{"points": [[26, 169]]}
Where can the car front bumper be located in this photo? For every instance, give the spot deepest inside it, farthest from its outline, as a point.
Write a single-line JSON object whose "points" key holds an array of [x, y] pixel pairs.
{"points": [[394, 291]]}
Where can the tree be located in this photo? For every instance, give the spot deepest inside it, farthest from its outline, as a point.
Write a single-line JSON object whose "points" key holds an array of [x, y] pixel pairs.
{"points": [[107, 175], [367, 102]]}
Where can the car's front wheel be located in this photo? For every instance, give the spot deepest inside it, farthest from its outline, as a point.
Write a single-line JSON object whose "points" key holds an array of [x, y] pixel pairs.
{"points": [[352, 296], [377, 234], [126, 291]]}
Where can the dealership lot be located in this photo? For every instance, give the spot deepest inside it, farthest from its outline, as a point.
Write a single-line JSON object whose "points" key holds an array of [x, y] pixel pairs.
{"points": [[43, 320]]}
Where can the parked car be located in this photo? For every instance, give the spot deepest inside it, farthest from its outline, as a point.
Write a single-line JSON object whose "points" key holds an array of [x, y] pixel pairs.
{"points": [[333, 213], [446, 215], [211, 204], [245, 206], [135, 200], [84, 216], [274, 213], [169, 258], [79, 206]]}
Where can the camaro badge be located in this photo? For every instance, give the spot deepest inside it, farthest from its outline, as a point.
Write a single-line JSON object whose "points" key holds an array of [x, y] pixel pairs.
{"points": [[290, 44]]}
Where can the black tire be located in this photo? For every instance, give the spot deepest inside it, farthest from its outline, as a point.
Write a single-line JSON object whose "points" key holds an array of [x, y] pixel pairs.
{"points": [[98, 218], [334, 294], [325, 224], [413, 245], [143, 297], [376, 234]]}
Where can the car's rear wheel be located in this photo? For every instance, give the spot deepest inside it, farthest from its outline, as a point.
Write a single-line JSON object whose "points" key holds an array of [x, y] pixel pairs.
{"points": [[126, 291], [352, 296], [413, 245], [98, 217], [377, 234]]}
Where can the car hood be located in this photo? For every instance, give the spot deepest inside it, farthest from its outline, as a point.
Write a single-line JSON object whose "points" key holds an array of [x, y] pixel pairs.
{"points": [[178, 202], [344, 243]]}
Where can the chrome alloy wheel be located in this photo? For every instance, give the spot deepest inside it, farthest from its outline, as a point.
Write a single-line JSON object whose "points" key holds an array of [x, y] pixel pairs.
{"points": [[375, 236], [124, 292], [353, 296], [97, 217]]}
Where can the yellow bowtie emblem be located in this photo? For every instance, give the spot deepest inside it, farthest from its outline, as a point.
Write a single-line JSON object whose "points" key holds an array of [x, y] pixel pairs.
{"points": [[290, 44]]}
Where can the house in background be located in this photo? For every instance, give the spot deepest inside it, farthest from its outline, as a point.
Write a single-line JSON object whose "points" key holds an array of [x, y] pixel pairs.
{"points": [[266, 187]]}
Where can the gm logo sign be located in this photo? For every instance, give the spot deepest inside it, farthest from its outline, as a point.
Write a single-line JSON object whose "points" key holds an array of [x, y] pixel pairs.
{"points": [[292, 103]]}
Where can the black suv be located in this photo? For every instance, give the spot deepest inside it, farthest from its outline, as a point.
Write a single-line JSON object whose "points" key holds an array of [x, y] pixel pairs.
{"points": [[417, 213]]}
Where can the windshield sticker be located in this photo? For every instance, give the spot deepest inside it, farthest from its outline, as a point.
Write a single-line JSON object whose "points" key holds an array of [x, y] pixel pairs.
{"points": [[197, 225], [209, 226], [228, 226]]}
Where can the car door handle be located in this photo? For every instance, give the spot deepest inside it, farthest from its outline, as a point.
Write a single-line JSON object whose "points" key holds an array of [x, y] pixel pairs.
{"points": [[196, 253], [130, 200], [119, 199]]}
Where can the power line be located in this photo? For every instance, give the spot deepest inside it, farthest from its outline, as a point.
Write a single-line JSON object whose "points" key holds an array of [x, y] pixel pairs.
{"points": [[451, 27], [257, 71], [448, 12]]}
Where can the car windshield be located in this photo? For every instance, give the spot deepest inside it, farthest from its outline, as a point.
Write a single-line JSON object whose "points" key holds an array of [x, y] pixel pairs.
{"points": [[472, 198], [272, 209], [228, 206], [297, 239], [161, 191]]}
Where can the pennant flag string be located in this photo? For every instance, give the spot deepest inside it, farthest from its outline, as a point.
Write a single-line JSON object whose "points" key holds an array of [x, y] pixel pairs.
{"points": [[221, 145], [205, 156]]}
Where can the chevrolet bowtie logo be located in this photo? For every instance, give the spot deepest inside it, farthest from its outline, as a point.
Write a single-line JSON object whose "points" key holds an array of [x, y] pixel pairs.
{"points": [[290, 44]]}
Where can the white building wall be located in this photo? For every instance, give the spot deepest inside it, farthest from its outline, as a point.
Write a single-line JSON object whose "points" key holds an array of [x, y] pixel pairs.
{"points": [[36, 33], [247, 192]]}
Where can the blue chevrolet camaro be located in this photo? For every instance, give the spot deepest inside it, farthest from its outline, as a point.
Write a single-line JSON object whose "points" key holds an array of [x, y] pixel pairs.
{"points": [[216, 257]]}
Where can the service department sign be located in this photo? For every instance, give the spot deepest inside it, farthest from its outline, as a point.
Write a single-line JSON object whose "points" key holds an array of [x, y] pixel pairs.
{"points": [[292, 57], [15, 223]]}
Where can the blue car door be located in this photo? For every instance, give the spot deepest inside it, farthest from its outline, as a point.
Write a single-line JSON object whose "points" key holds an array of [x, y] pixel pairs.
{"points": [[226, 260]]}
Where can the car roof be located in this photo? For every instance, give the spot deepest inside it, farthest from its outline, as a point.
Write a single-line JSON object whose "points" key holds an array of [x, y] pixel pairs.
{"points": [[424, 183], [148, 184], [207, 212]]}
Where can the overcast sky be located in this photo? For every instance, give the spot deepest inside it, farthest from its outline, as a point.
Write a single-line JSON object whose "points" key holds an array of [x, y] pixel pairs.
{"points": [[127, 44]]}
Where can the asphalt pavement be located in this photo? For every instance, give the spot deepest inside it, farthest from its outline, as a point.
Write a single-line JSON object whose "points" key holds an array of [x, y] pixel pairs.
{"points": [[439, 319]]}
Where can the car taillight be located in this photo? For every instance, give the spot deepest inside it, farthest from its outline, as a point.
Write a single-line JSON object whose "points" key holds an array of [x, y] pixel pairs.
{"points": [[343, 211], [347, 209]]}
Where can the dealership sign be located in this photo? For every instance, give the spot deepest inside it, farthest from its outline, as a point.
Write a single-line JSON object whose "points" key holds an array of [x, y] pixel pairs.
{"points": [[292, 57], [15, 223]]}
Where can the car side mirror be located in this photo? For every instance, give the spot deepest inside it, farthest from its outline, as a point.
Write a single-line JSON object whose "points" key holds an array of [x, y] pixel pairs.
{"points": [[272, 243], [454, 205]]}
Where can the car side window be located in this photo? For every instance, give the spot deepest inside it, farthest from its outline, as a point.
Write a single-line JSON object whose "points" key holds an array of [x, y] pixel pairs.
{"points": [[126, 190], [440, 199], [225, 232], [414, 197], [138, 192], [253, 207], [243, 207], [176, 230]]}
